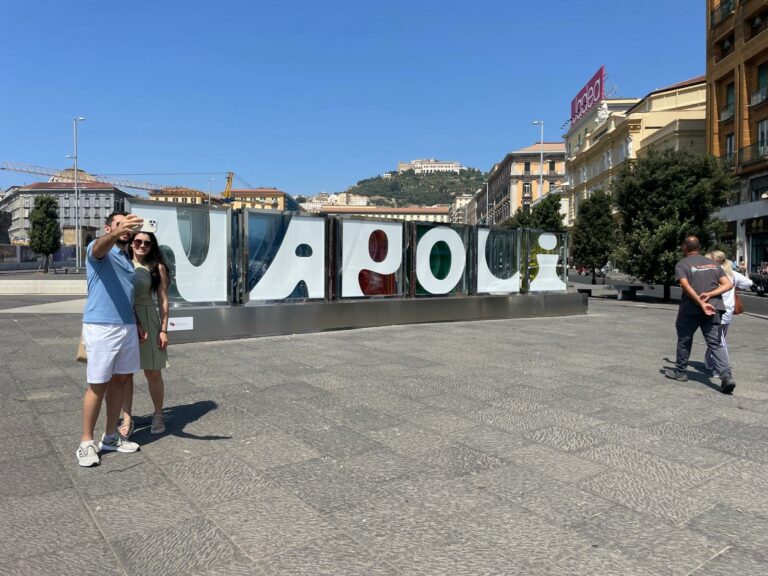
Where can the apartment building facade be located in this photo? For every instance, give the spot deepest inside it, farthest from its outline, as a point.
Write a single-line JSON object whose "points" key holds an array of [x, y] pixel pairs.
{"points": [[737, 118], [97, 201], [515, 181]]}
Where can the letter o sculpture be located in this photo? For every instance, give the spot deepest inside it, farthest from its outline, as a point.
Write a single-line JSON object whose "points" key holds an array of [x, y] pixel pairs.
{"points": [[424, 274]]}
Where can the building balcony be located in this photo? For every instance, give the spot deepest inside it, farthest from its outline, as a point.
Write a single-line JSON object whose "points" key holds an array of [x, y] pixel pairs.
{"points": [[726, 113], [759, 96], [721, 12], [753, 153]]}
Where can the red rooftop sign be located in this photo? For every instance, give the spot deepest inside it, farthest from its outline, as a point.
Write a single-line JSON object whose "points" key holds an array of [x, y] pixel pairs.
{"points": [[589, 96]]}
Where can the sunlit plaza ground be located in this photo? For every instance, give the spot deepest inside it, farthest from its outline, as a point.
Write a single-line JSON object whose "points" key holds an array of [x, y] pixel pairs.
{"points": [[537, 446]]}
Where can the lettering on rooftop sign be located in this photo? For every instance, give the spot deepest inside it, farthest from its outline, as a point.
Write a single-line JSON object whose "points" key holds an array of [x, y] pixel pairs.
{"points": [[590, 95]]}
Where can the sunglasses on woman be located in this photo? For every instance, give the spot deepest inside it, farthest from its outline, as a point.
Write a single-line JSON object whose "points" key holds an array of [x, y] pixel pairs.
{"points": [[139, 243]]}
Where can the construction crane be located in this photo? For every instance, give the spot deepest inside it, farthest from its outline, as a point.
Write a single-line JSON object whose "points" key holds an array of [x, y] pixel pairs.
{"points": [[226, 196], [68, 175]]}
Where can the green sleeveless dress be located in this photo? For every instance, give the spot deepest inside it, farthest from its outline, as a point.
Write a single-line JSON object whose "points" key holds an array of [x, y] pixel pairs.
{"points": [[152, 358]]}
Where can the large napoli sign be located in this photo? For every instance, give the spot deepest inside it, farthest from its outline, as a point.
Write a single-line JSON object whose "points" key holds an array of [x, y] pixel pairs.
{"points": [[220, 256], [589, 96]]}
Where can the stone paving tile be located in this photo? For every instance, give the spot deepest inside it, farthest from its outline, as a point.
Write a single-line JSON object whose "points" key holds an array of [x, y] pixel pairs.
{"points": [[643, 439], [270, 450], [409, 439], [212, 479], [324, 485], [490, 440], [453, 403], [459, 460], [732, 561], [648, 466], [562, 439], [141, 510], [15, 424], [554, 463], [188, 548], [463, 558], [337, 441], [270, 522], [519, 535], [36, 475], [737, 528], [560, 503], [336, 555], [644, 495], [657, 545], [439, 421], [64, 561], [382, 465], [606, 562], [59, 516]]}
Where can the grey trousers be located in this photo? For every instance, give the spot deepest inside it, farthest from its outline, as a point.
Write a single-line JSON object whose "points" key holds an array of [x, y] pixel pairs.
{"points": [[686, 325]]}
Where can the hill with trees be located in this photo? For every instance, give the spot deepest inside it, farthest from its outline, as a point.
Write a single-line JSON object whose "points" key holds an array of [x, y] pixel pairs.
{"points": [[410, 188]]}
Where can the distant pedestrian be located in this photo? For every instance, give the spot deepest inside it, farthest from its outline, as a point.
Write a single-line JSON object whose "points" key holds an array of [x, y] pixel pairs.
{"points": [[152, 278], [729, 299], [701, 308], [111, 335], [742, 268]]}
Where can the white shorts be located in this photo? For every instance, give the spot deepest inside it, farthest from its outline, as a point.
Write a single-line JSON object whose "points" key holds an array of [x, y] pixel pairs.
{"points": [[111, 349]]}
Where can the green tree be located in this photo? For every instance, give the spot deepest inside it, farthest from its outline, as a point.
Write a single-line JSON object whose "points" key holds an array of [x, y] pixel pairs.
{"points": [[662, 198], [545, 215], [594, 232], [45, 234]]}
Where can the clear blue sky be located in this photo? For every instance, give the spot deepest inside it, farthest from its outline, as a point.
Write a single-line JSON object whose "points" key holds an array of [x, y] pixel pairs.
{"points": [[312, 96]]}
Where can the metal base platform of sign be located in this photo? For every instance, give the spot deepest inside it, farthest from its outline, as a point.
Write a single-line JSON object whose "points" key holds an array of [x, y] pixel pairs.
{"points": [[202, 324]]}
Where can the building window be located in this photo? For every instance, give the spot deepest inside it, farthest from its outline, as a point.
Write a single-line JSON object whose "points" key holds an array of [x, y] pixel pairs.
{"points": [[527, 168], [726, 113], [762, 138], [730, 148], [761, 94]]}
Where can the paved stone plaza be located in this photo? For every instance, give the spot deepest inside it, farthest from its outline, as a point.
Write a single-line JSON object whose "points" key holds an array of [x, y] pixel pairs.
{"points": [[542, 446]]}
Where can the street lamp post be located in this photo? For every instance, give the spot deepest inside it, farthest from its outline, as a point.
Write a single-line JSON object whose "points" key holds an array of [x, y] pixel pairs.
{"points": [[210, 187], [78, 249], [541, 159]]}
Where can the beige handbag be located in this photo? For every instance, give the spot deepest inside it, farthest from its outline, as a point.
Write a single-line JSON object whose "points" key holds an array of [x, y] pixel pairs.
{"points": [[81, 356]]}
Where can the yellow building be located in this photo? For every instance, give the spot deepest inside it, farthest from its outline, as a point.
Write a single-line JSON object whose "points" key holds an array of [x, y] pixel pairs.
{"points": [[516, 178], [621, 129], [259, 198], [737, 117], [182, 195]]}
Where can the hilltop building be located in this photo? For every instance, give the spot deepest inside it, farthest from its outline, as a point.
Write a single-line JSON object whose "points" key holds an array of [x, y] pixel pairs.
{"points": [[429, 166]]}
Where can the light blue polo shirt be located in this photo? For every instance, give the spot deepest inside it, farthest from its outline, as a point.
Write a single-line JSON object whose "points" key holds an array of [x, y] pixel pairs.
{"points": [[110, 288]]}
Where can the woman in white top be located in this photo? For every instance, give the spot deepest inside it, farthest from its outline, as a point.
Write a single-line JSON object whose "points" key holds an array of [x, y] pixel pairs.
{"points": [[729, 299]]}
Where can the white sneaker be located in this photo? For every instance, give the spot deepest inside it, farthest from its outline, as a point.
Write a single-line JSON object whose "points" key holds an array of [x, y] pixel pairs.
{"points": [[87, 455], [117, 443]]}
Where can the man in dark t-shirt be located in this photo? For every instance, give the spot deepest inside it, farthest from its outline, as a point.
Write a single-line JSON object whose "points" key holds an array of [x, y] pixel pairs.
{"points": [[701, 307]]}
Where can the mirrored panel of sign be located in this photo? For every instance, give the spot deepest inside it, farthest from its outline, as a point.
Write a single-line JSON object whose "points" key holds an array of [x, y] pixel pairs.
{"points": [[546, 261], [498, 261], [195, 242], [441, 260], [285, 256], [371, 258]]}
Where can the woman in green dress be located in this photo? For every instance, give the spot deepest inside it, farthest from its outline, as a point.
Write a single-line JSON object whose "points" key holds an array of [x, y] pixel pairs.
{"points": [[151, 278]]}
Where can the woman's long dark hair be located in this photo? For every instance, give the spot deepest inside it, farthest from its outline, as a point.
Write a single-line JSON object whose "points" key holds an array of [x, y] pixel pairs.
{"points": [[153, 260]]}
